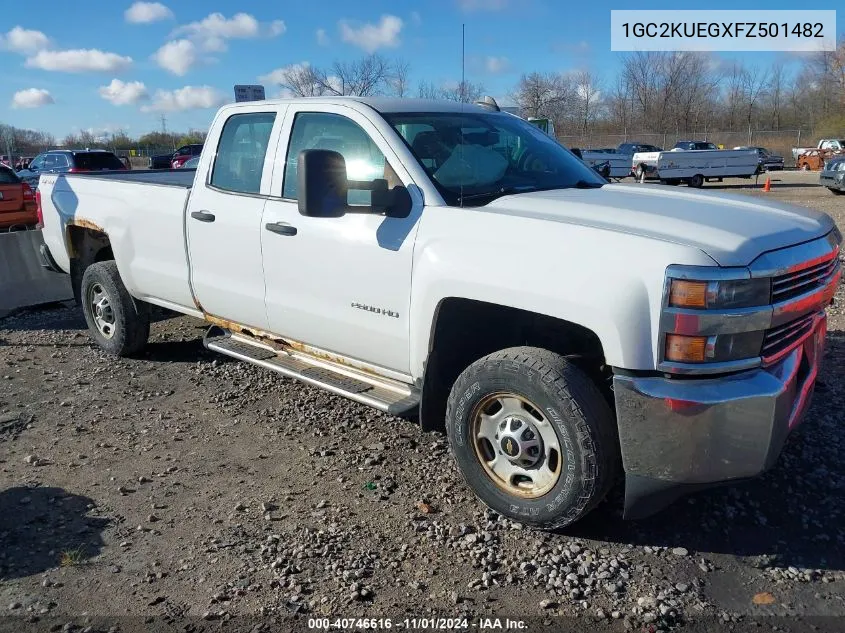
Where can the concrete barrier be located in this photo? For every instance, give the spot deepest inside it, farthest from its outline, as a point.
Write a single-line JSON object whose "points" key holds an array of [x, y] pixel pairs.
{"points": [[23, 282]]}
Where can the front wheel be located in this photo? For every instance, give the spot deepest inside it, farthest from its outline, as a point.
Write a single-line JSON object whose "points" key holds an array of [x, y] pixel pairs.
{"points": [[533, 436], [117, 323]]}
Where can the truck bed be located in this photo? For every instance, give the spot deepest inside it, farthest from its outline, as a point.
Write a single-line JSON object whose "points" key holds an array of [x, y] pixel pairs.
{"points": [[183, 178]]}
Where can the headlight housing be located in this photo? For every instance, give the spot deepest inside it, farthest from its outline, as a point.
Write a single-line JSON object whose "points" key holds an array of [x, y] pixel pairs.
{"points": [[713, 320], [719, 295]]}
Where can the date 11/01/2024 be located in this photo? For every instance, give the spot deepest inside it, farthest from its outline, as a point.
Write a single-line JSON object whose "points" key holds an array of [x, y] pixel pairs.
{"points": [[417, 624]]}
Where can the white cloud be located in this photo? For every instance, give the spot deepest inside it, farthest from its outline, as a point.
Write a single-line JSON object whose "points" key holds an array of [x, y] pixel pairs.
{"points": [[277, 76], [32, 98], [496, 65], [124, 93], [147, 12], [79, 61], [212, 32], [482, 5], [322, 37], [371, 37], [187, 98], [176, 57], [277, 27], [21, 40]]}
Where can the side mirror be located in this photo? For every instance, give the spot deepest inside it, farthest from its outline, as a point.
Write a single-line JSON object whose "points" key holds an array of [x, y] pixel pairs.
{"points": [[323, 189], [321, 183]]}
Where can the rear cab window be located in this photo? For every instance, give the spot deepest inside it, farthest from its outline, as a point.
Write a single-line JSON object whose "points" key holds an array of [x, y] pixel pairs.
{"points": [[241, 152]]}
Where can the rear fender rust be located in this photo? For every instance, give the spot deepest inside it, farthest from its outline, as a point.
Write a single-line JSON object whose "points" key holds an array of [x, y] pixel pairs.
{"points": [[94, 233], [86, 224]]}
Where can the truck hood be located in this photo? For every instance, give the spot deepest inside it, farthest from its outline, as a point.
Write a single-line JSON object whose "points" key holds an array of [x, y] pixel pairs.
{"points": [[732, 230]]}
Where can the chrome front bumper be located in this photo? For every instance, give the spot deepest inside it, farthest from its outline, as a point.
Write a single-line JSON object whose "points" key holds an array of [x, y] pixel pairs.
{"points": [[679, 435]]}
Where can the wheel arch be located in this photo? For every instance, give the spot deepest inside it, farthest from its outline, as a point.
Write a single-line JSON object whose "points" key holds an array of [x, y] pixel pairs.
{"points": [[464, 330]]}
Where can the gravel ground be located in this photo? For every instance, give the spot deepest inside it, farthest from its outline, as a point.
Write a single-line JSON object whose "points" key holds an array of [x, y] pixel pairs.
{"points": [[182, 486]]}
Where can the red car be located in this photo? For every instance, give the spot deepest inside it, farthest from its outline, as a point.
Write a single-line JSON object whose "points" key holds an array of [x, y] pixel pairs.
{"points": [[17, 202], [184, 154]]}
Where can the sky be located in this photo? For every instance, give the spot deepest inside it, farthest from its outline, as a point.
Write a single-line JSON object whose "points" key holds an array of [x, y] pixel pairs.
{"points": [[108, 65]]}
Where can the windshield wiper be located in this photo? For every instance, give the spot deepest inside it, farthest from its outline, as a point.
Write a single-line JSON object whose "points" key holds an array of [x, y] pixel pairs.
{"points": [[496, 193]]}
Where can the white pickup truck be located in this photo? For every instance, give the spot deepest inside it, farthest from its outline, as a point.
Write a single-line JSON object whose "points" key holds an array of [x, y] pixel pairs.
{"points": [[456, 263]]}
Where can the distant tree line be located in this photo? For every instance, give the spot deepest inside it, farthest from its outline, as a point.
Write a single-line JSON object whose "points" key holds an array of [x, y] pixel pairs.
{"points": [[652, 92]]}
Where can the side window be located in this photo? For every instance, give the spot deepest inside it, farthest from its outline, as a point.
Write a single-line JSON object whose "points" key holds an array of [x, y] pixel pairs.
{"points": [[50, 161], [61, 160], [241, 151], [37, 162], [321, 130]]}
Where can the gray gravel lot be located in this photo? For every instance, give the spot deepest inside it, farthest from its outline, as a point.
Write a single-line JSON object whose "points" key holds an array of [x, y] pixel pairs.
{"points": [[182, 484]]}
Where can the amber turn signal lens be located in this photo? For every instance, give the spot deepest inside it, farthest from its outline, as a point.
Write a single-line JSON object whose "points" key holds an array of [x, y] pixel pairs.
{"points": [[686, 349], [688, 294]]}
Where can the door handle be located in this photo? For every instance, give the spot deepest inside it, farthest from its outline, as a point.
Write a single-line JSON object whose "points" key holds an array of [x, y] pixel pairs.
{"points": [[202, 216], [282, 228]]}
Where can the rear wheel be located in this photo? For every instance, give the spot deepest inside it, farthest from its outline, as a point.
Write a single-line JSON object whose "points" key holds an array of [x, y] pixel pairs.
{"points": [[117, 323], [696, 181], [838, 192], [533, 436]]}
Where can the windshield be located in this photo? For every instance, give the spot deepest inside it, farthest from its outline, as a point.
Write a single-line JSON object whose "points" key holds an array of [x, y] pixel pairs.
{"points": [[475, 157]]}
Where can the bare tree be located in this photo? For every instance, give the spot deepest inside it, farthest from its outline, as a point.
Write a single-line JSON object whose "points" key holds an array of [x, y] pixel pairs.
{"points": [[587, 98], [302, 80], [774, 94], [543, 94], [463, 91], [400, 79]]}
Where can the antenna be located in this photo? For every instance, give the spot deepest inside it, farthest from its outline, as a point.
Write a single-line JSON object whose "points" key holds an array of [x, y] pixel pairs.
{"points": [[461, 93]]}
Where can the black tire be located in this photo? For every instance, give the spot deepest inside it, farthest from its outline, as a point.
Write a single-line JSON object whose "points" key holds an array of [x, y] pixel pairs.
{"points": [[838, 192], [696, 181], [128, 320], [578, 414]]}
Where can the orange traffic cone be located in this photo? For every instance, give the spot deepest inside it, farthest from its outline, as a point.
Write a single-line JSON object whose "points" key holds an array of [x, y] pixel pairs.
{"points": [[768, 186]]}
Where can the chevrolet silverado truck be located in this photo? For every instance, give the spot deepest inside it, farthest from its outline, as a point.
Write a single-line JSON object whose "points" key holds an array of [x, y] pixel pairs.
{"points": [[455, 264]]}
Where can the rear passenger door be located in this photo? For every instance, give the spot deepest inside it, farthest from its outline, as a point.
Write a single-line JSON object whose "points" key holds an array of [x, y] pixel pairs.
{"points": [[224, 217]]}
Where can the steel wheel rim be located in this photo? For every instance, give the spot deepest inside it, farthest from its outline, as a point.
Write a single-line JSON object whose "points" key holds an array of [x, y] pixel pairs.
{"points": [[531, 464], [101, 310]]}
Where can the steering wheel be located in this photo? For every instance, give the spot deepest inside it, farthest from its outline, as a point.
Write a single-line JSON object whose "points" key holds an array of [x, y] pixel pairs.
{"points": [[531, 161]]}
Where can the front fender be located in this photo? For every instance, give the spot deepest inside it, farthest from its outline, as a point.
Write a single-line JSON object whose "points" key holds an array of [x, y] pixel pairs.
{"points": [[608, 282]]}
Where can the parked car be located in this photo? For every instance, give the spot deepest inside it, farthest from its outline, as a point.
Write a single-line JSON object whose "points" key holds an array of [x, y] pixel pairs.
{"points": [[191, 163], [342, 241], [184, 154], [634, 148], [17, 201], [694, 145], [62, 161], [833, 175], [160, 161], [766, 160], [833, 144], [813, 159]]}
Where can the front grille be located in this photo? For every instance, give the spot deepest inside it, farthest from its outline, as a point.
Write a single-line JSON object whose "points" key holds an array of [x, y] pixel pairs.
{"points": [[790, 285], [785, 336]]}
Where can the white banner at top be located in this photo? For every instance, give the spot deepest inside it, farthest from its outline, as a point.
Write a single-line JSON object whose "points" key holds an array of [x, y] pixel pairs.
{"points": [[757, 29]]}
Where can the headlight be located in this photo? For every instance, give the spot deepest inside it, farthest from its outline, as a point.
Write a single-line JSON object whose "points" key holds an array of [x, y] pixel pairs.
{"points": [[718, 348], [719, 295]]}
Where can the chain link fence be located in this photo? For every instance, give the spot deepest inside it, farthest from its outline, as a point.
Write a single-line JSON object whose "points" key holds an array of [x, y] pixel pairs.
{"points": [[778, 142]]}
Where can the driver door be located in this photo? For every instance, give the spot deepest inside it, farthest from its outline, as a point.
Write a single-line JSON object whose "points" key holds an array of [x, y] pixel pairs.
{"points": [[343, 284]]}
